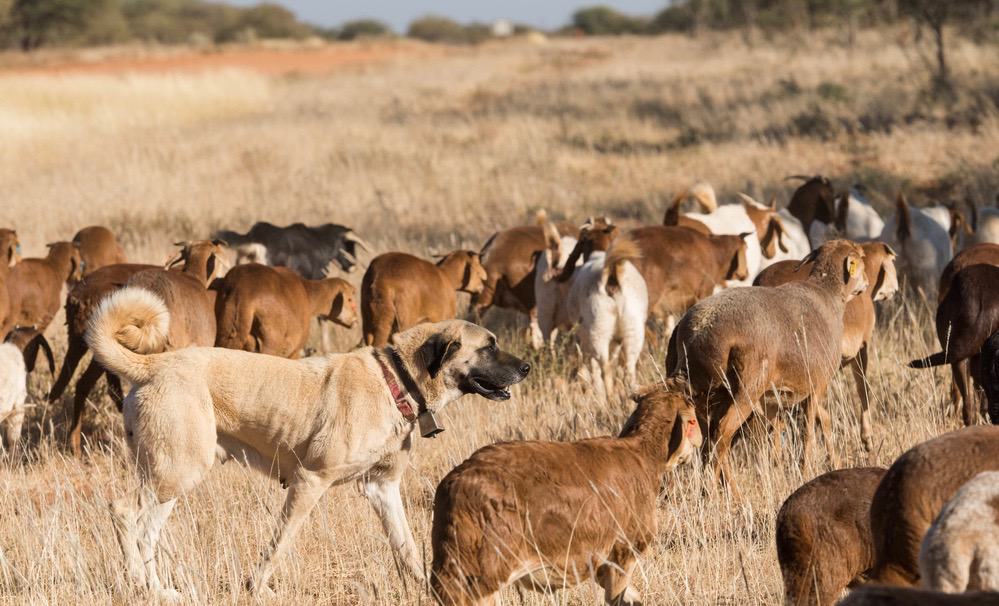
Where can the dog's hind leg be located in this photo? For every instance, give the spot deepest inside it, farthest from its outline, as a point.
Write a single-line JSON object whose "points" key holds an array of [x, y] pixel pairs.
{"points": [[304, 492]]}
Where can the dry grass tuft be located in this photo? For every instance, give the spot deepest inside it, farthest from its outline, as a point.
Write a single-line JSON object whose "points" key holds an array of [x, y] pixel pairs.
{"points": [[437, 153]]}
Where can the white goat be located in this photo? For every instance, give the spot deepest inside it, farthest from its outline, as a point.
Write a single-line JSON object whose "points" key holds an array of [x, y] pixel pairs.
{"points": [[960, 551], [549, 293], [985, 223], [735, 219], [13, 392], [609, 299], [922, 237]]}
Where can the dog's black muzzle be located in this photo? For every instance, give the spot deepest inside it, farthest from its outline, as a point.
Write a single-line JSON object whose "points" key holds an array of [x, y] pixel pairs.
{"points": [[491, 377]]}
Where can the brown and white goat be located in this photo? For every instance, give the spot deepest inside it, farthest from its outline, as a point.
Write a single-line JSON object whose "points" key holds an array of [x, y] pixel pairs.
{"points": [[548, 515], [824, 535], [35, 286], [399, 291], [9, 255], [183, 290], [741, 344], [966, 317], [270, 309], [914, 492], [98, 248], [858, 319]]}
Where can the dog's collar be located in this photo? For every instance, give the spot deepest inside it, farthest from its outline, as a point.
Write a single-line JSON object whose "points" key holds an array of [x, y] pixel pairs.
{"points": [[401, 397]]}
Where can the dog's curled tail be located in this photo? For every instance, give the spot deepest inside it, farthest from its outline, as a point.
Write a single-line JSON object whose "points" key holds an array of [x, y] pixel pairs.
{"points": [[128, 326]]}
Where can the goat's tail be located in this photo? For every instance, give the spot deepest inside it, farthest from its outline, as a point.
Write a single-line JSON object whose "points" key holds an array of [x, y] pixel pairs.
{"points": [[937, 359], [623, 250], [128, 326], [704, 195]]}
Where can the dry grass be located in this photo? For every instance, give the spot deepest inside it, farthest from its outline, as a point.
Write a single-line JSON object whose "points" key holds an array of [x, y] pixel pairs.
{"points": [[422, 154]]}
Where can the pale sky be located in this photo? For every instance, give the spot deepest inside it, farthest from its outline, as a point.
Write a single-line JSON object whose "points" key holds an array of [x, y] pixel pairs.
{"points": [[547, 14]]}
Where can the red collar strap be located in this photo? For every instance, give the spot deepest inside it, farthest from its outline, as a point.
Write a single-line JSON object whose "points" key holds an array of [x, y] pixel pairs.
{"points": [[401, 398]]}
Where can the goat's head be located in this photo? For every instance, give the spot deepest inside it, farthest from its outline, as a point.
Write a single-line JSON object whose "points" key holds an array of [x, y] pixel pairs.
{"points": [[595, 234], [343, 302], [882, 276], [814, 200], [204, 259], [665, 415], [468, 262], [769, 228], [67, 255], [10, 247], [840, 262]]}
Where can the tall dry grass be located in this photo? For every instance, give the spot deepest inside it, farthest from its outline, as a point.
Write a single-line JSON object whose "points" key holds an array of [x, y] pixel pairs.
{"points": [[434, 154]]}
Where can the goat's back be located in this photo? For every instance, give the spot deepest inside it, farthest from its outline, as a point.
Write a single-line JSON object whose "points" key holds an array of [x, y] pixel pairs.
{"points": [[192, 310]]}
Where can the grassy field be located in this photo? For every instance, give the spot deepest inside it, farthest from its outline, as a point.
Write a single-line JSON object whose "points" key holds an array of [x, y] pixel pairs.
{"points": [[431, 152]]}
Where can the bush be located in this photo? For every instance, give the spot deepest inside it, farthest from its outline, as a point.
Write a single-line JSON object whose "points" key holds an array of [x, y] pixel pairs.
{"points": [[673, 18], [271, 21], [441, 29], [362, 28], [605, 21]]}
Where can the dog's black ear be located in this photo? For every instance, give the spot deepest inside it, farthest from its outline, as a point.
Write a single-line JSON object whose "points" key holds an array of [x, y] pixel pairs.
{"points": [[436, 351]]}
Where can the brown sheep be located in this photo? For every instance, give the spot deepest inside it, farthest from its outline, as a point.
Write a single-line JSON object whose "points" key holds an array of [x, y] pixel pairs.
{"points": [[98, 248], [35, 286], [399, 291], [876, 595], [985, 253], [9, 255], [742, 344], [270, 309], [552, 514], [508, 258], [966, 316], [914, 491], [191, 305], [859, 318], [824, 535]]}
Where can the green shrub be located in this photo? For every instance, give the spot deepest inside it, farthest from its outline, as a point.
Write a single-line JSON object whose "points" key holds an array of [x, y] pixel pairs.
{"points": [[362, 28], [605, 21], [433, 28]]}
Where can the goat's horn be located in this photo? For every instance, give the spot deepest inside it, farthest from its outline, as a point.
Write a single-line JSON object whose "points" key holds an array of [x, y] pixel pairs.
{"points": [[175, 259], [352, 237]]}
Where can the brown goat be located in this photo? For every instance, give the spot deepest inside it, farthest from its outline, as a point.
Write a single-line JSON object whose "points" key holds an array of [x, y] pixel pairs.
{"points": [[742, 344], [858, 319], [680, 266], [552, 514], [824, 535], [269, 309], [508, 259], [191, 306], [35, 286], [985, 253], [966, 317], [98, 248], [914, 491], [877, 595], [9, 255], [814, 200], [399, 291]]}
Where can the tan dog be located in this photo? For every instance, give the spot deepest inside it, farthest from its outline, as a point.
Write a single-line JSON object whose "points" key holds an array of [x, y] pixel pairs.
{"points": [[316, 422]]}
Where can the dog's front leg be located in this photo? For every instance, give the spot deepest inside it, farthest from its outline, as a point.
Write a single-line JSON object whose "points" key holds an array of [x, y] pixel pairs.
{"points": [[384, 496], [304, 492]]}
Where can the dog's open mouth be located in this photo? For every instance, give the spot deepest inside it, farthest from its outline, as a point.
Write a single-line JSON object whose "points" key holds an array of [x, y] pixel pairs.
{"points": [[488, 389]]}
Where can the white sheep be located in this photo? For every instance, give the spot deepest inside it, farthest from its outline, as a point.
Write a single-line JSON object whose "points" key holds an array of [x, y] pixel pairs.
{"points": [[13, 392], [960, 551]]}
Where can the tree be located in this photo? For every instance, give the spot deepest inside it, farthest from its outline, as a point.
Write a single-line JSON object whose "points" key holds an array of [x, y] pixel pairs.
{"points": [[935, 14], [362, 28], [36, 22], [604, 21]]}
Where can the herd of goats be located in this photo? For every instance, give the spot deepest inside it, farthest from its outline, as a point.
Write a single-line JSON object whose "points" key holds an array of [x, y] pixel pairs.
{"points": [[761, 307]]}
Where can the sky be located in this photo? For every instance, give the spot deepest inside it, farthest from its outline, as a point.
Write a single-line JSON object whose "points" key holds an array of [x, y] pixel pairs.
{"points": [[547, 14]]}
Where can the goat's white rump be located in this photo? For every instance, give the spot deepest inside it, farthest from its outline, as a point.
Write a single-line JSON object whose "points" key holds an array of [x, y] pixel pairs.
{"points": [[13, 392]]}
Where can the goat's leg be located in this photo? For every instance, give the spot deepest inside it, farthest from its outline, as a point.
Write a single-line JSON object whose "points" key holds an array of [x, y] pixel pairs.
{"points": [[962, 378], [75, 351], [728, 425], [858, 365], [615, 578], [12, 428], [83, 388], [114, 390], [304, 492], [537, 339]]}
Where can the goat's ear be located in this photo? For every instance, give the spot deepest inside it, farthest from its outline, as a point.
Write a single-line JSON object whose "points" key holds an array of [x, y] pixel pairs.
{"points": [[211, 264], [218, 242], [808, 259], [851, 265], [176, 259], [182, 244], [746, 234], [842, 212], [889, 250], [436, 351]]}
